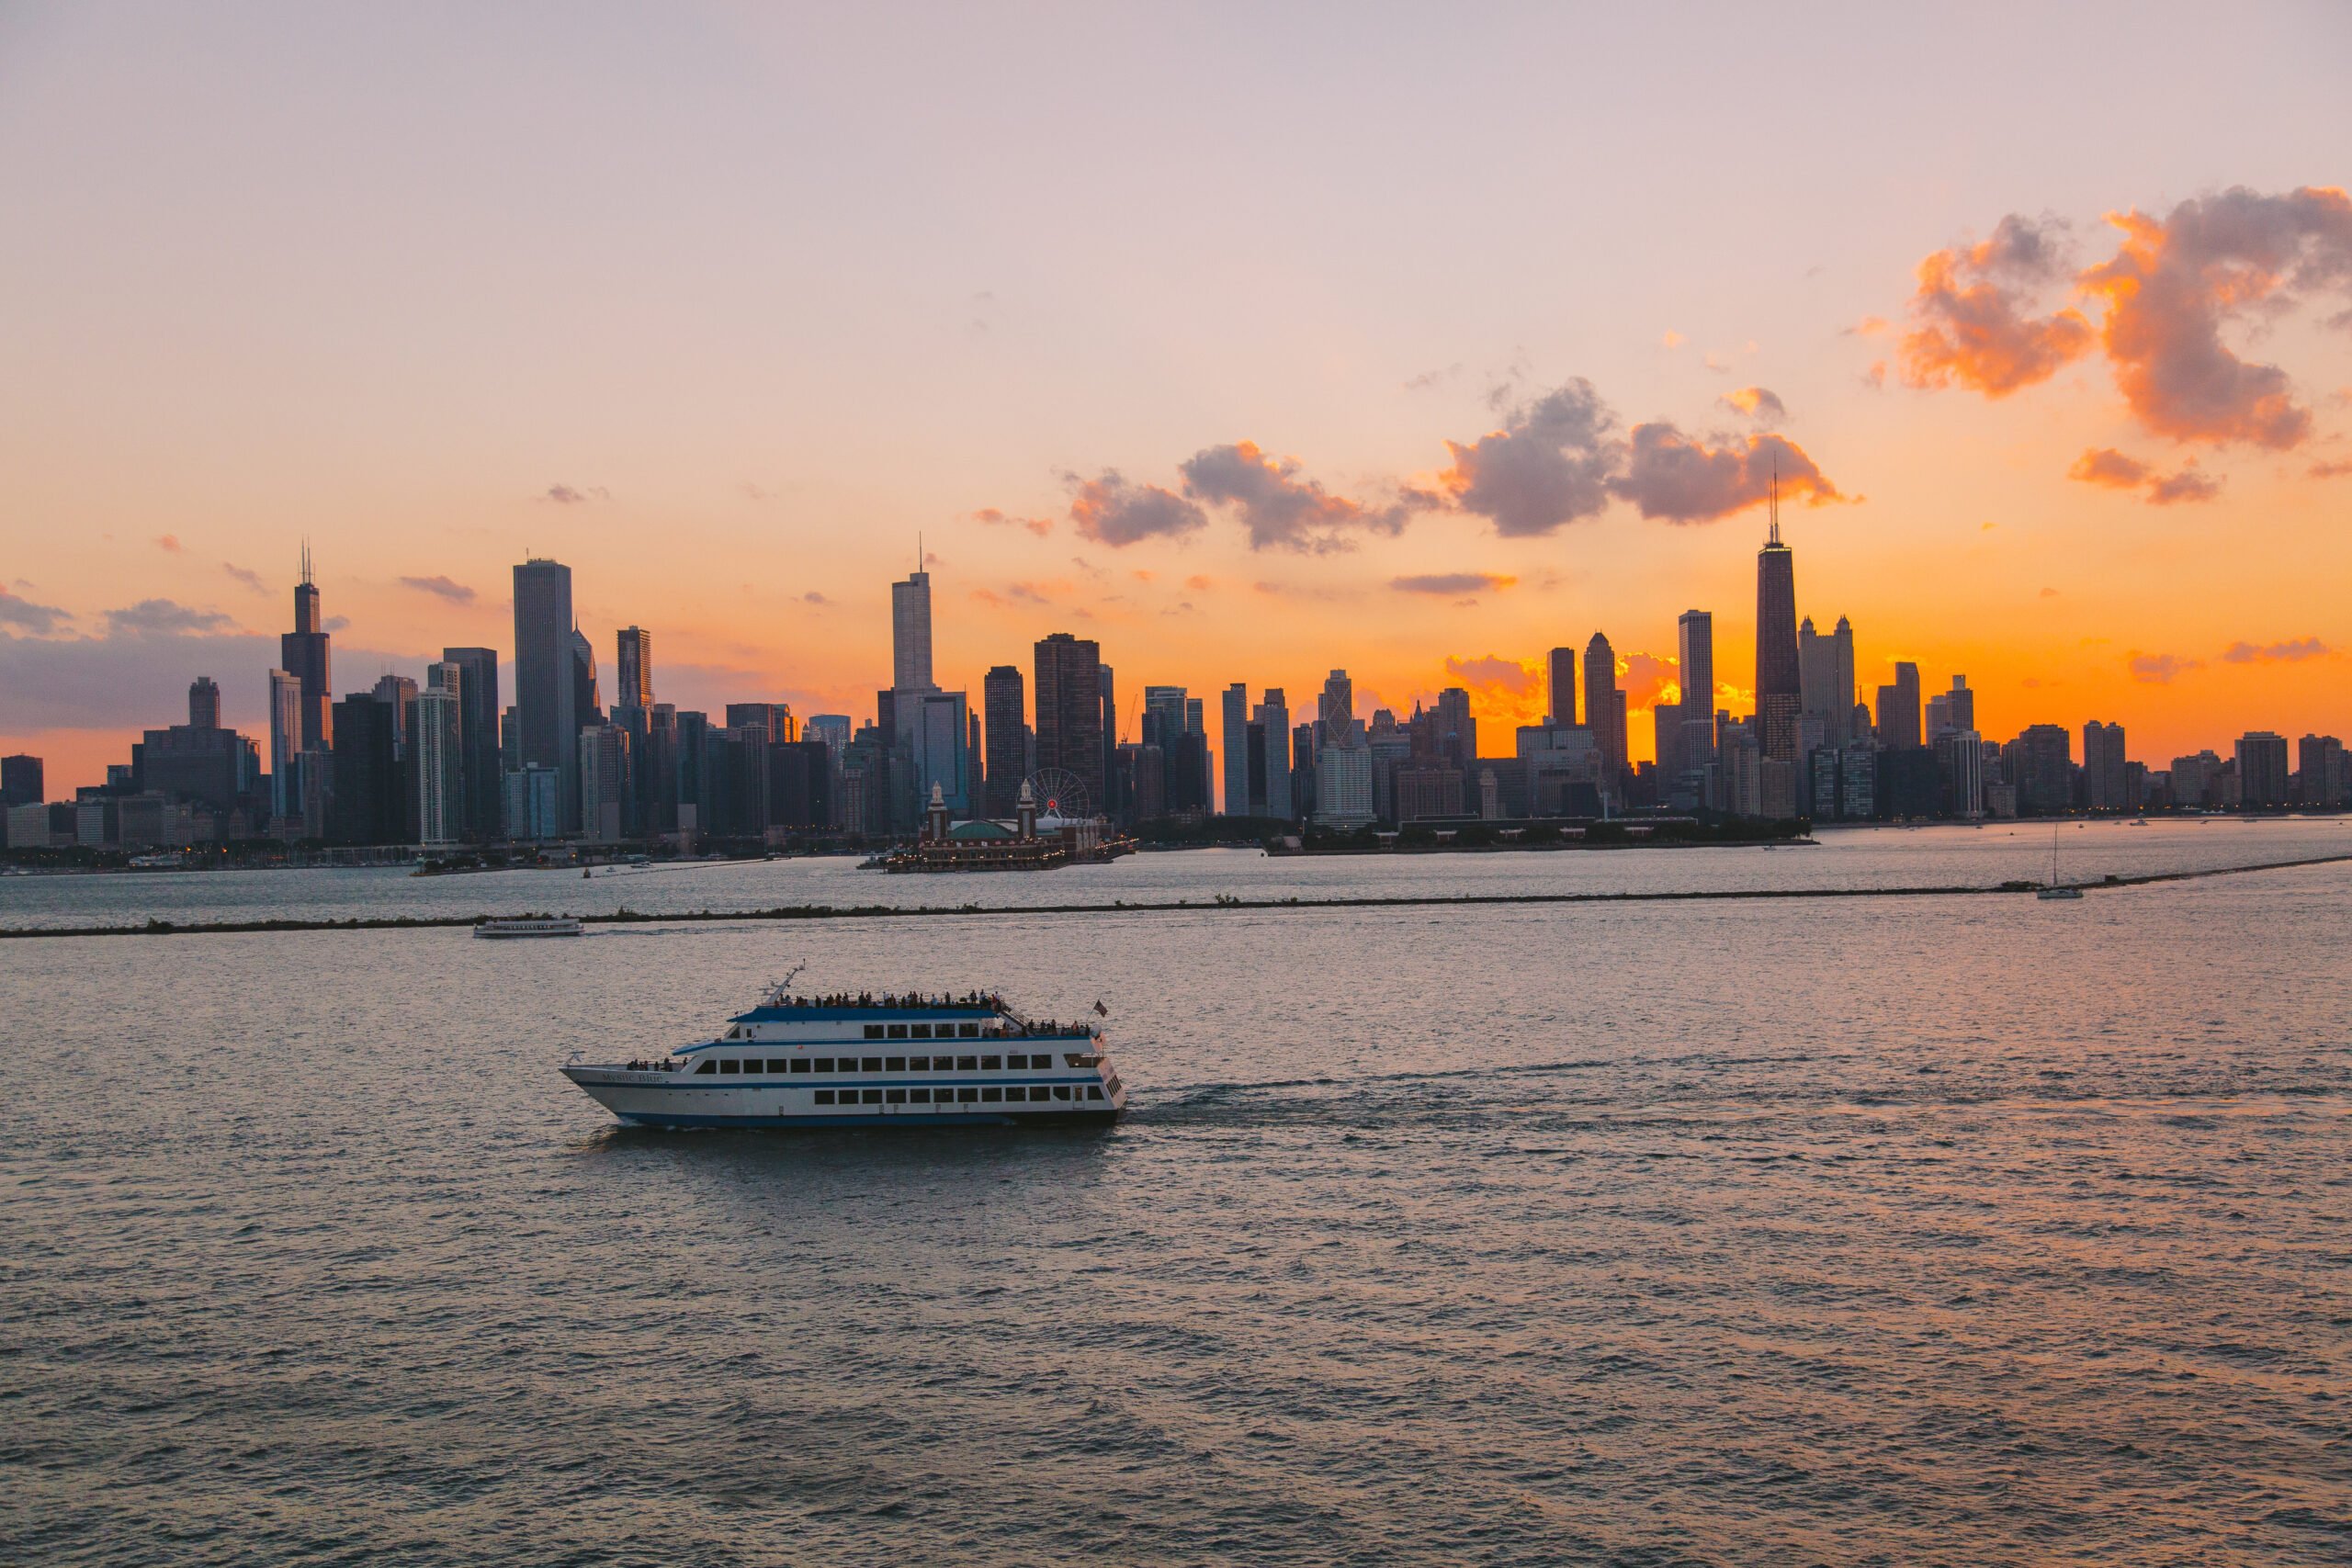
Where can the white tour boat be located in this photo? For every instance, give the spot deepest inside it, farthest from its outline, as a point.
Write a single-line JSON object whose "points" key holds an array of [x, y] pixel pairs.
{"points": [[529, 925], [869, 1061]]}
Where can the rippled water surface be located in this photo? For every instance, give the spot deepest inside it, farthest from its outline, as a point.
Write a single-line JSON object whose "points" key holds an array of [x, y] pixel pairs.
{"points": [[1894, 1230]]}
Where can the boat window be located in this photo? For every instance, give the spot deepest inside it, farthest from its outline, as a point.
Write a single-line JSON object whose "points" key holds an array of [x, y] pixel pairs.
{"points": [[874, 1032], [987, 1063], [736, 1033], [991, 1095], [1061, 1091], [969, 1063], [871, 1097], [895, 1064], [918, 1063], [731, 1065], [1016, 1063], [923, 1032], [799, 1064], [894, 1096], [822, 1065], [897, 1031], [918, 1097], [824, 1097], [707, 1067], [873, 1064], [1093, 1091], [970, 1030], [965, 1096]]}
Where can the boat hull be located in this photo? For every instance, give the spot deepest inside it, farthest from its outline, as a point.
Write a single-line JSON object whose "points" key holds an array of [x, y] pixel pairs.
{"points": [[654, 1100]]}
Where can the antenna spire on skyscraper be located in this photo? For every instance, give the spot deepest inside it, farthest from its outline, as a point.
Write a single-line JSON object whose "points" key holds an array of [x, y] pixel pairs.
{"points": [[1776, 501], [306, 563]]}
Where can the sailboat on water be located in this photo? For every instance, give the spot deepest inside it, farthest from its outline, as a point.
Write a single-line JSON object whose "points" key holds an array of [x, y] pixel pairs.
{"points": [[2054, 889]]}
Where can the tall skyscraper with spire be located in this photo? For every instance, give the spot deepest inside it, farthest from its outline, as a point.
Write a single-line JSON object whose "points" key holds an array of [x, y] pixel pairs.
{"points": [[302, 653], [910, 633], [1780, 678]]}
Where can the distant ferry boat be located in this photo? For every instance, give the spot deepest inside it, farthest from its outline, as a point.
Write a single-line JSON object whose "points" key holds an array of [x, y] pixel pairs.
{"points": [[869, 1061], [529, 926]]}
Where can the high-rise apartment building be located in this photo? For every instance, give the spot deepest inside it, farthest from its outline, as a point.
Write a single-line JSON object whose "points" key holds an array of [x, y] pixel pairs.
{"points": [[910, 633], [1560, 686], [478, 740], [1898, 709], [547, 720], [1825, 671], [1780, 679], [439, 744], [2103, 768], [1235, 739], [633, 671], [1004, 734], [1068, 705], [20, 779], [303, 653], [2261, 769], [2321, 781]]}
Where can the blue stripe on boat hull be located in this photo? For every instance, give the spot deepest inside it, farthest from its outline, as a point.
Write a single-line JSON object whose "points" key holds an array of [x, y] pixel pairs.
{"points": [[896, 1119]]}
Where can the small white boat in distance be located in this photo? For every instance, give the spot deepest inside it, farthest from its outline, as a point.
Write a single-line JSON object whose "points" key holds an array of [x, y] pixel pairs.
{"points": [[530, 925]]}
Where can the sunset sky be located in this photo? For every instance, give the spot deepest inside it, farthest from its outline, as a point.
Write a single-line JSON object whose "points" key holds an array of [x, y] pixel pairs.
{"points": [[1250, 341]]}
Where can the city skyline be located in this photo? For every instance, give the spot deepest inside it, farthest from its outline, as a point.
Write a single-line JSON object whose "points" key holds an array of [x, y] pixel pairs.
{"points": [[1212, 460]]}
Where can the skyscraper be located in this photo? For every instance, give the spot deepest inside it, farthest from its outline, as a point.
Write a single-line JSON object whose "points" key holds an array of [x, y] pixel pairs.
{"points": [[2103, 786], [439, 744], [1825, 670], [477, 739], [203, 704], [633, 672], [1695, 668], [587, 701], [1780, 679], [1270, 724], [366, 806], [303, 653], [910, 633], [1457, 728], [2262, 768], [1004, 720], [1898, 709], [1560, 685], [546, 725], [1236, 742], [20, 779], [1069, 710], [1336, 709], [1603, 713], [284, 743]]}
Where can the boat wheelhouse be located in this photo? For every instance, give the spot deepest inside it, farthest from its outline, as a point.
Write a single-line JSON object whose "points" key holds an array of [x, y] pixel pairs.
{"points": [[869, 1061]]}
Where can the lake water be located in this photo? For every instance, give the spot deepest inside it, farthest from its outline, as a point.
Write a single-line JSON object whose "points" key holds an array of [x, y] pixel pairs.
{"points": [[1895, 1230]]}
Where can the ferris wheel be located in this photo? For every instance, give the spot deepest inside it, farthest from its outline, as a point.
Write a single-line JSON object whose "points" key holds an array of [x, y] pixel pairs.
{"points": [[1060, 793]]}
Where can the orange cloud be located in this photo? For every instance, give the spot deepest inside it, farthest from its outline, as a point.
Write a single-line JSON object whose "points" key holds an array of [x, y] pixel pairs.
{"points": [[2176, 283], [1041, 526], [1501, 689], [1280, 507], [2111, 469], [1683, 480], [1971, 321]]}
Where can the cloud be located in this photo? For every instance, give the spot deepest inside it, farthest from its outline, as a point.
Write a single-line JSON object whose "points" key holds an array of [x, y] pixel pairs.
{"points": [[335, 624], [2333, 471], [2178, 281], [1493, 674], [440, 587], [995, 518], [813, 597], [1972, 324], [1280, 509], [1429, 379], [1671, 339], [1452, 583], [168, 542], [1199, 583], [2111, 469], [1684, 480], [250, 579], [1035, 593], [2292, 651], [567, 495], [39, 619], [2159, 669], [1110, 510], [150, 617], [1760, 404], [1550, 464], [2188, 485], [1647, 680]]}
